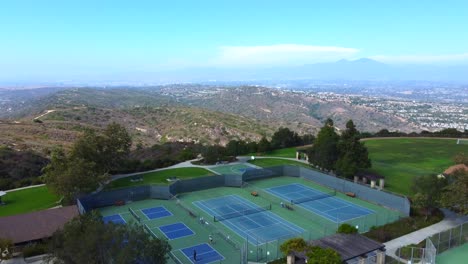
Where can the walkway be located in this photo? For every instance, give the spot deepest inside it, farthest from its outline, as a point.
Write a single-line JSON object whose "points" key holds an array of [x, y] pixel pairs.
{"points": [[451, 220]]}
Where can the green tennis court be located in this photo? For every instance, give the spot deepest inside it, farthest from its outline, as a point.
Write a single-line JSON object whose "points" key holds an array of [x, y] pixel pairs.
{"points": [[455, 255], [237, 169]]}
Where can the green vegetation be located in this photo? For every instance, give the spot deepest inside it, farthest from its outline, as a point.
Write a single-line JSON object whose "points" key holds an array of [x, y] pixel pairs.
{"points": [[404, 226], [281, 153], [87, 239], [89, 162], [346, 229], [315, 254], [269, 162], [401, 160], [27, 200], [160, 177]]}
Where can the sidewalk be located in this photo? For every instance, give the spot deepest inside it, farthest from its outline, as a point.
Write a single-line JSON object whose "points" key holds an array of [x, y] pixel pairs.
{"points": [[451, 220]]}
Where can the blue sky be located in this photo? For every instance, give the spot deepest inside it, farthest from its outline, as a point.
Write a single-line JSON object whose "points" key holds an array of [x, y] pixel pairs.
{"points": [[60, 37]]}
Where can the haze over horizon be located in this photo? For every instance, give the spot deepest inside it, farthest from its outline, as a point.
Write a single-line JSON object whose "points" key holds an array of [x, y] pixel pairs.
{"points": [[53, 41]]}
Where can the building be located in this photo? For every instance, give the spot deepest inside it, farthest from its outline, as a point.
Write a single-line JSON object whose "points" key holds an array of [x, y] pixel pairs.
{"points": [[35, 226]]}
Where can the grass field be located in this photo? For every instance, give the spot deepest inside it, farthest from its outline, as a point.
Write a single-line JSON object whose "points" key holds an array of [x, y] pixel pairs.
{"points": [[401, 160], [282, 153], [27, 200], [269, 162], [160, 177]]}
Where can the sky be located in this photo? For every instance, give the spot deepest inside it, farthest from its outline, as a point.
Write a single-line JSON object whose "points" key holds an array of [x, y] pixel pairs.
{"points": [[60, 38]]}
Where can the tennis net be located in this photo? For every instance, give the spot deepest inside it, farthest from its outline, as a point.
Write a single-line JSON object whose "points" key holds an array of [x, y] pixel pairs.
{"points": [[134, 214], [249, 211], [313, 198]]}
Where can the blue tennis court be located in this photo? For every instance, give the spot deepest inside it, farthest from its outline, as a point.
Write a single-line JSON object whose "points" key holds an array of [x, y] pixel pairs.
{"points": [[156, 212], [205, 254], [248, 220], [331, 207], [177, 230], [116, 219]]}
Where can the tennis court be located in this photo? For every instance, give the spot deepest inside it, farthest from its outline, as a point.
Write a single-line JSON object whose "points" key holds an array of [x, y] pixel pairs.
{"points": [[324, 204], [256, 224], [156, 212], [116, 219], [237, 169], [205, 254], [177, 230]]}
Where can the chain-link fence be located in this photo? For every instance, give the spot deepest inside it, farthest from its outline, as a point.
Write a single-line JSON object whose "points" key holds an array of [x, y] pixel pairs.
{"points": [[451, 238]]}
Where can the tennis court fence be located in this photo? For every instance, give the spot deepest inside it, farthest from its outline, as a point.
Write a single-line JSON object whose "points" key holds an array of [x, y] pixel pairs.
{"points": [[111, 197]]}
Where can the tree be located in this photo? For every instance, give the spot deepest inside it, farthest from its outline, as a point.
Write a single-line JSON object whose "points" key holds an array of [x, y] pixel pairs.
{"points": [[428, 190], [293, 245], [6, 249], [212, 154], [71, 177], [455, 194], [461, 158], [307, 139], [353, 154], [263, 145], [86, 239], [106, 150], [91, 159], [346, 229], [324, 152], [318, 255], [284, 138]]}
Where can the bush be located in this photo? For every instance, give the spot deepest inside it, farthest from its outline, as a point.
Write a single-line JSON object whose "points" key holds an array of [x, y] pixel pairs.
{"points": [[403, 226], [34, 249], [346, 229], [6, 245]]}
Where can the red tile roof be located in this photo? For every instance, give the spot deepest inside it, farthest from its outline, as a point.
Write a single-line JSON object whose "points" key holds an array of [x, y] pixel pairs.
{"points": [[454, 168], [37, 225]]}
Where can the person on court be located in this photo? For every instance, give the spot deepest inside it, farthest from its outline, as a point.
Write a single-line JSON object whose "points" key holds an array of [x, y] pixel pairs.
{"points": [[194, 255], [211, 239]]}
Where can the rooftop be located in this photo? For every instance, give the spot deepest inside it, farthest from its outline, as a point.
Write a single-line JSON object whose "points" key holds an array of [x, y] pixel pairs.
{"points": [[36, 225]]}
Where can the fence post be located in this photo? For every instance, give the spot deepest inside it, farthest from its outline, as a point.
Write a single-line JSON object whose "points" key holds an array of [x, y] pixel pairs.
{"points": [[460, 236], [450, 239]]}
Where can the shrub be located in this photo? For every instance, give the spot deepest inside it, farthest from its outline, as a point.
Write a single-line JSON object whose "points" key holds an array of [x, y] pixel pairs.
{"points": [[34, 249], [346, 229]]}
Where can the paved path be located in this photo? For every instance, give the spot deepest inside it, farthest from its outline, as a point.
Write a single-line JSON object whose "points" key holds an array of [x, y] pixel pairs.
{"points": [[451, 220], [27, 187]]}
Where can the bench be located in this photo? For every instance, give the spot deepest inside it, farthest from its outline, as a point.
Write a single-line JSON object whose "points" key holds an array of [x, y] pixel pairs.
{"points": [[351, 194]]}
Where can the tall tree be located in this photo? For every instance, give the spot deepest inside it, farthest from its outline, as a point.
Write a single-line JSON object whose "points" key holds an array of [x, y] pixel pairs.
{"points": [[264, 145], [284, 138], [455, 194], [86, 239], [324, 152], [91, 159], [428, 191], [353, 153]]}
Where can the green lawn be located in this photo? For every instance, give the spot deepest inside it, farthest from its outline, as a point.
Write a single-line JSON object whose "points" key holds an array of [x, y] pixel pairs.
{"points": [[269, 162], [27, 200], [160, 177], [282, 153], [401, 160]]}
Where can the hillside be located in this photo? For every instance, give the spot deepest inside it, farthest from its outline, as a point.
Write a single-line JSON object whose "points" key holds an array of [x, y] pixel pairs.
{"points": [[147, 125], [295, 110], [176, 113]]}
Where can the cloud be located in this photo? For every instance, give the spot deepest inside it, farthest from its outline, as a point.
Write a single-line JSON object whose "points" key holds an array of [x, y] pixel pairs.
{"points": [[422, 59], [281, 54]]}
